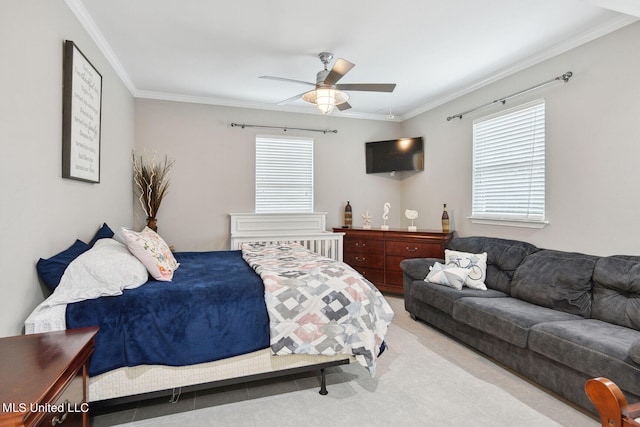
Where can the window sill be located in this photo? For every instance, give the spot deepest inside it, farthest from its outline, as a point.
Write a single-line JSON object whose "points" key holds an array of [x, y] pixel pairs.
{"points": [[510, 222]]}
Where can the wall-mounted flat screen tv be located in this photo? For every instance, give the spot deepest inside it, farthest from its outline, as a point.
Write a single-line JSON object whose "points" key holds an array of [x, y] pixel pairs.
{"points": [[403, 154]]}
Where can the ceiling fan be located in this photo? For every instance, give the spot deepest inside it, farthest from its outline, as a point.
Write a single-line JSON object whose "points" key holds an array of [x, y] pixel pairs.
{"points": [[327, 93]]}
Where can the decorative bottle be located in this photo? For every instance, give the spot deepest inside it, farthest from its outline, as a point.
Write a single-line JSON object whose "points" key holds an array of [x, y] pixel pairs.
{"points": [[445, 220], [348, 219]]}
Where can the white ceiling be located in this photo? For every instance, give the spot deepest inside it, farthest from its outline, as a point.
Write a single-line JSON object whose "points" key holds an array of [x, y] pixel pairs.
{"points": [[435, 50]]}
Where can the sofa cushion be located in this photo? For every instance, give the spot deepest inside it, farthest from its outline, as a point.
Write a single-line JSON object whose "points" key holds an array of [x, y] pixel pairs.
{"points": [[555, 279], [616, 290], [442, 297], [506, 318], [592, 347], [503, 257]]}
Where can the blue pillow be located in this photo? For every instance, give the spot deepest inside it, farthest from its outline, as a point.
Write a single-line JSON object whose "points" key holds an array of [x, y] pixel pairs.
{"points": [[103, 233], [51, 270]]}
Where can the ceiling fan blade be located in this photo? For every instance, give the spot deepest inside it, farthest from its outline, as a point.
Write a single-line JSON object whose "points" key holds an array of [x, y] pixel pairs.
{"points": [[368, 87], [340, 68], [293, 98], [343, 106], [282, 79]]}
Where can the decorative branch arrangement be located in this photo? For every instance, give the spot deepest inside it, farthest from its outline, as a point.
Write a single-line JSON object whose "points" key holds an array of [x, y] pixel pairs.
{"points": [[152, 182]]}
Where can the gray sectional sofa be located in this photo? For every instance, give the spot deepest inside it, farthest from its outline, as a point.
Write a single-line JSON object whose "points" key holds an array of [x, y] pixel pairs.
{"points": [[558, 318]]}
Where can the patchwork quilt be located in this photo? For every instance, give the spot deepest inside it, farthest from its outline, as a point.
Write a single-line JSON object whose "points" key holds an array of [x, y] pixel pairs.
{"points": [[317, 305]]}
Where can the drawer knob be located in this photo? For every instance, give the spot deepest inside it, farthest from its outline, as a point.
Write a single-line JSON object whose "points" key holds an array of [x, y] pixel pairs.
{"points": [[360, 245], [411, 249], [59, 420], [360, 259]]}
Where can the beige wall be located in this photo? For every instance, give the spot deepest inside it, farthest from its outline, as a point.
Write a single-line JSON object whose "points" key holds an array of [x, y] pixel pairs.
{"points": [[592, 149], [214, 168], [41, 213]]}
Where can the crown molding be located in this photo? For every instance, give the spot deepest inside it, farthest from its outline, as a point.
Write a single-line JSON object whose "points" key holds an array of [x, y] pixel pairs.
{"points": [[630, 7], [81, 13], [77, 7], [607, 27], [163, 96]]}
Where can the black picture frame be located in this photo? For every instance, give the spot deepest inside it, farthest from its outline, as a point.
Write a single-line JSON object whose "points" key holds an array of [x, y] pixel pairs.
{"points": [[81, 116]]}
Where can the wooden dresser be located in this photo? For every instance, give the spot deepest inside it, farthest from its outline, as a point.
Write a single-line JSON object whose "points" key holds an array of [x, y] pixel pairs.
{"points": [[376, 254], [44, 378]]}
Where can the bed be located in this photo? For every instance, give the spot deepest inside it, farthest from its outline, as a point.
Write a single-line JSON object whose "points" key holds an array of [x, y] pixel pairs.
{"points": [[214, 322]]}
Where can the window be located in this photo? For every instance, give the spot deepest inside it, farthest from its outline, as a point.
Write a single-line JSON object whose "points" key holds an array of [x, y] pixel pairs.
{"points": [[509, 167], [284, 174]]}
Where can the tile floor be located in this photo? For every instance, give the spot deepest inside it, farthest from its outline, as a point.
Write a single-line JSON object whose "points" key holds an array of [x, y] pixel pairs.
{"points": [[424, 379]]}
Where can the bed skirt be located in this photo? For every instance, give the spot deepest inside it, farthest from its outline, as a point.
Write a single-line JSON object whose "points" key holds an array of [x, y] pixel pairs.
{"points": [[140, 382]]}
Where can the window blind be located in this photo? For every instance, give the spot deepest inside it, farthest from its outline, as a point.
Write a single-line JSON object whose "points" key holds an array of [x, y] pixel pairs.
{"points": [[284, 175], [509, 165]]}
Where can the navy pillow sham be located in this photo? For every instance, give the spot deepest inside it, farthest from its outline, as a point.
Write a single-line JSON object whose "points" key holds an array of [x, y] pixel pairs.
{"points": [[51, 270], [103, 233]]}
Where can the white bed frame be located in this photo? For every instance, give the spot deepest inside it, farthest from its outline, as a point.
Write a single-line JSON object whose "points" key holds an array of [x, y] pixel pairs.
{"points": [[141, 382]]}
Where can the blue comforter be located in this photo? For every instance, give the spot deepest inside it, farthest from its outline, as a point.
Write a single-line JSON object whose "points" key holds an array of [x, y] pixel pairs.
{"points": [[214, 308]]}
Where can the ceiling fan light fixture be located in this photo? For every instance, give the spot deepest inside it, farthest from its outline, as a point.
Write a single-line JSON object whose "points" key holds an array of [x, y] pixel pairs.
{"points": [[325, 98]]}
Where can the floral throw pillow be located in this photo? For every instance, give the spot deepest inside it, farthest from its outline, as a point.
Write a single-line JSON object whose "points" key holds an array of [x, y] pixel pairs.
{"points": [[153, 252], [475, 263]]}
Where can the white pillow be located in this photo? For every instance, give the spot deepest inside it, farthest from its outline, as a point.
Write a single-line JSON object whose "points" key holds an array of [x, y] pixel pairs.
{"points": [[475, 263], [119, 236], [447, 275], [153, 252], [104, 270]]}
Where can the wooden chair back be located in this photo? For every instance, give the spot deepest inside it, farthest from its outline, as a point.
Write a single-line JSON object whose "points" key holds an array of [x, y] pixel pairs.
{"points": [[612, 406]]}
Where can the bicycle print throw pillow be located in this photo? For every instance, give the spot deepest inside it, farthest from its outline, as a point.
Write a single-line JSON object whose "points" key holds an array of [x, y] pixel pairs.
{"points": [[476, 263]]}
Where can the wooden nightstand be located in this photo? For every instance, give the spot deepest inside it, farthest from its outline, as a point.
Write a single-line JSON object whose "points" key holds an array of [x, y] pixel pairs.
{"points": [[44, 378]]}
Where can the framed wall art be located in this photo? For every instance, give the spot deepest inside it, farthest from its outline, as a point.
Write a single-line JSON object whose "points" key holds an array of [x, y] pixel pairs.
{"points": [[81, 116]]}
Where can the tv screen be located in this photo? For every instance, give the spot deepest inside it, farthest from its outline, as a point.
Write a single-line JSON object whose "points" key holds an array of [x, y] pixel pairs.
{"points": [[404, 154]]}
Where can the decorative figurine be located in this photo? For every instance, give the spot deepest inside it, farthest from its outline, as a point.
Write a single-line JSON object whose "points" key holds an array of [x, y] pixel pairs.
{"points": [[411, 214], [385, 216], [366, 220]]}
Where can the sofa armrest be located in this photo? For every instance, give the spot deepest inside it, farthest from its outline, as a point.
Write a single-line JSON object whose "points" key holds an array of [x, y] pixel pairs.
{"points": [[418, 268]]}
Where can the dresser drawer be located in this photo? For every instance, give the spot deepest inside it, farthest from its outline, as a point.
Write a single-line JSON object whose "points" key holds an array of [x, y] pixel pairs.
{"points": [[374, 275], [394, 278], [68, 409], [363, 246], [358, 260], [413, 249]]}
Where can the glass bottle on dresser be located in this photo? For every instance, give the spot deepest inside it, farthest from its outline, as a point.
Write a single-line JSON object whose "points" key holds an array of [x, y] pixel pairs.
{"points": [[445, 220]]}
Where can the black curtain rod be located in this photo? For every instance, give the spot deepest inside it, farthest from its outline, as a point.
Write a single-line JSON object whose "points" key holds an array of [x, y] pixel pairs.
{"points": [[565, 77], [284, 128]]}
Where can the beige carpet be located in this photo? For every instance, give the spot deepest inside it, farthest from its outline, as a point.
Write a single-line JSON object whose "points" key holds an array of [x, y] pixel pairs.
{"points": [[424, 379]]}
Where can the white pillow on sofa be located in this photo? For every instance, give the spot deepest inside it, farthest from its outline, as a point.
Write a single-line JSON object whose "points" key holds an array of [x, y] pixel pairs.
{"points": [[475, 263], [447, 275], [104, 270]]}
